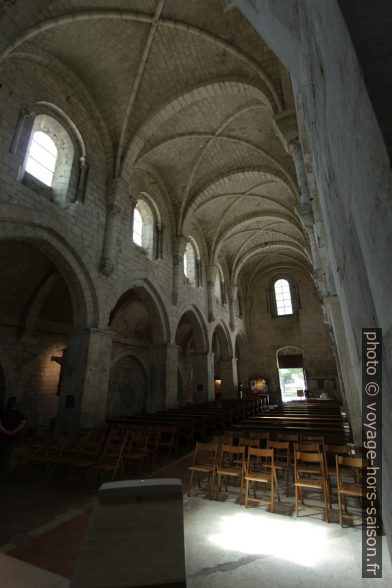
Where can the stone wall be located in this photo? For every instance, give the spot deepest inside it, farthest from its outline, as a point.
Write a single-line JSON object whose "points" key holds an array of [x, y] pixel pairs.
{"points": [[305, 331], [353, 177]]}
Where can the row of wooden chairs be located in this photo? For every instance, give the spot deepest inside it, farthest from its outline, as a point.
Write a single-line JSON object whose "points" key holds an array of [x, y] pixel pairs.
{"points": [[111, 451], [251, 465]]}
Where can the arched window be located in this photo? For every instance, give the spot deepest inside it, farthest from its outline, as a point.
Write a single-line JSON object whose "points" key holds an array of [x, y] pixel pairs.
{"points": [[137, 227], [143, 226], [54, 157], [218, 288], [283, 297], [190, 263], [42, 157]]}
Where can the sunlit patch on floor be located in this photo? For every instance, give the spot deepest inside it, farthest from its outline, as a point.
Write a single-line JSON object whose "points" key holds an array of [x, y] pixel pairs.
{"points": [[301, 543]]}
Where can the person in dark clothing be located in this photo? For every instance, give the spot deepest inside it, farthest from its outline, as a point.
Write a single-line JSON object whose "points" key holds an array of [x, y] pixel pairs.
{"points": [[12, 420]]}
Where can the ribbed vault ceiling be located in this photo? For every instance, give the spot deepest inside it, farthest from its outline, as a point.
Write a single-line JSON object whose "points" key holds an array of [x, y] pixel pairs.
{"points": [[186, 89]]}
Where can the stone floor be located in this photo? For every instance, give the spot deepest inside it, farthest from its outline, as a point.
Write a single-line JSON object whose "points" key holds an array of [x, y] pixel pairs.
{"points": [[226, 544]]}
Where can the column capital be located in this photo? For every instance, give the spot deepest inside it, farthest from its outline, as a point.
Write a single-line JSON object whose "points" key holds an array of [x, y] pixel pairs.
{"points": [[331, 299], [106, 266], [286, 129]]}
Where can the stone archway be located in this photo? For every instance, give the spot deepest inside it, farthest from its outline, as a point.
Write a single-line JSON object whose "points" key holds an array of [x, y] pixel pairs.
{"points": [[127, 388], [225, 366], [38, 302], [138, 367], [193, 359]]}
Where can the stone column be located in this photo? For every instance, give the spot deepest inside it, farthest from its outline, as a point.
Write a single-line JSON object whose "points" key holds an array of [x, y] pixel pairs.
{"points": [[306, 211], [85, 377], [117, 192], [178, 266], [229, 377], [286, 128], [212, 272], [242, 371], [164, 385], [203, 375], [82, 180], [350, 369], [199, 273], [233, 292], [159, 242], [178, 270]]}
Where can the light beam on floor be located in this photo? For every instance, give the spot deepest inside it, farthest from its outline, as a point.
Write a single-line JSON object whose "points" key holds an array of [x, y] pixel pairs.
{"points": [[301, 543]]}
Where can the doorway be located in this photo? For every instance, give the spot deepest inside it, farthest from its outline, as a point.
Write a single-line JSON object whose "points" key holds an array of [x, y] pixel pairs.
{"points": [[292, 384], [292, 377]]}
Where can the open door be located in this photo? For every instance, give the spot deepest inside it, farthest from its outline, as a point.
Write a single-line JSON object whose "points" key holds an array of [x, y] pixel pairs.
{"points": [[292, 377]]}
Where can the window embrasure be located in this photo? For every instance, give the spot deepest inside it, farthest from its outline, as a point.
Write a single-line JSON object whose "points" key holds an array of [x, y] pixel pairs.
{"points": [[143, 227]]}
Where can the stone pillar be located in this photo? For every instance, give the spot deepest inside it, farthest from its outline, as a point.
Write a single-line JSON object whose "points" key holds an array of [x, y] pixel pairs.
{"points": [[203, 376], [242, 371], [82, 180], [306, 211], [212, 272], [159, 242], [22, 132], [229, 377], [348, 363], [162, 384], [287, 130], [178, 266], [178, 269], [233, 292], [85, 377], [118, 191], [199, 273]]}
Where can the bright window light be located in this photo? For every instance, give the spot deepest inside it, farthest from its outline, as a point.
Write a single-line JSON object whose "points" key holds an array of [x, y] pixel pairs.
{"points": [[283, 297], [137, 228], [42, 157], [189, 263]]}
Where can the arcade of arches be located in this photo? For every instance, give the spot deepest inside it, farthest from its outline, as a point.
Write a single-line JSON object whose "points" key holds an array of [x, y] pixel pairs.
{"points": [[199, 110]]}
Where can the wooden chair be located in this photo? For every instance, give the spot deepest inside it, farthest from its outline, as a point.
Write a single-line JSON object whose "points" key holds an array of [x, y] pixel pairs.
{"points": [[262, 437], [282, 458], [222, 440], [204, 463], [49, 450], [330, 451], [291, 437], [306, 438], [310, 474], [119, 428], [136, 450], [154, 437], [248, 443], [69, 451], [36, 447], [110, 460], [167, 442], [349, 467], [231, 465], [90, 447], [260, 469], [309, 447]]}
